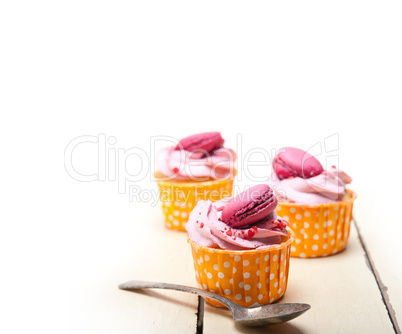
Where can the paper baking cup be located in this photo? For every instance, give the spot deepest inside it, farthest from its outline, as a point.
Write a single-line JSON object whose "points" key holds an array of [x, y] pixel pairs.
{"points": [[249, 278], [179, 198], [320, 230]]}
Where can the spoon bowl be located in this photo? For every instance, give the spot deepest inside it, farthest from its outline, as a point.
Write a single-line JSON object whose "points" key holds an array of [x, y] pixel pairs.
{"points": [[257, 316]]}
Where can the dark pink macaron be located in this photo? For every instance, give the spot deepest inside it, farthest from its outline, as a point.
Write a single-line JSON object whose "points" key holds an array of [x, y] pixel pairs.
{"points": [[207, 141], [251, 206], [292, 162]]}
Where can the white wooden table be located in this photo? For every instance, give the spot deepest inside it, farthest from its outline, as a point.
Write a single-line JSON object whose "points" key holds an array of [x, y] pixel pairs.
{"points": [[277, 73], [343, 290]]}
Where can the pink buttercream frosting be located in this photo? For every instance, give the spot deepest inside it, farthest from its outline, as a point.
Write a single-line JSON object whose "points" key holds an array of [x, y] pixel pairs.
{"points": [[205, 228], [328, 187], [185, 165]]}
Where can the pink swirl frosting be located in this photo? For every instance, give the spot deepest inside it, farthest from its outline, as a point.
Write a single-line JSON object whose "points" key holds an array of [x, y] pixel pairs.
{"points": [[328, 187], [205, 228], [185, 165]]}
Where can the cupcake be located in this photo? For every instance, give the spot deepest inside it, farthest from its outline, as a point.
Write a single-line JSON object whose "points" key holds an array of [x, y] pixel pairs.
{"points": [[241, 248], [199, 167], [315, 201]]}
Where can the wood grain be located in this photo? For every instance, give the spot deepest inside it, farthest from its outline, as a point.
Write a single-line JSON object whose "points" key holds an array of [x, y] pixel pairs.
{"points": [[98, 306], [341, 290], [380, 231]]}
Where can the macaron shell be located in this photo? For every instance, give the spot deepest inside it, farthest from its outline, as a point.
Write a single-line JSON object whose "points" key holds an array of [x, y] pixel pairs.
{"points": [[207, 141], [294, 162], [245, 209]]}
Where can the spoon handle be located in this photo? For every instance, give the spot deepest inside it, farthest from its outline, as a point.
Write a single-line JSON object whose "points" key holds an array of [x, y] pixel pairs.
{"points": [[133, 285]]}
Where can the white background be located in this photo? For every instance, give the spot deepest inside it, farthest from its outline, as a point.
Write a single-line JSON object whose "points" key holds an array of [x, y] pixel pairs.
{"points": [[280, 74]]}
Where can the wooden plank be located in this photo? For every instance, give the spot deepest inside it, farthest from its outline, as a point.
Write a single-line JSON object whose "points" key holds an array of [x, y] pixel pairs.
{"points": [[352, 304], [97, 306], [341, 290], [380, 232]]}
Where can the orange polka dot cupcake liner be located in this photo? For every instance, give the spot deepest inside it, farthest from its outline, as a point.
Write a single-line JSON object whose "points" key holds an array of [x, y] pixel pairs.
{"points": [[249, 278], [178, 198], [320, 230]]}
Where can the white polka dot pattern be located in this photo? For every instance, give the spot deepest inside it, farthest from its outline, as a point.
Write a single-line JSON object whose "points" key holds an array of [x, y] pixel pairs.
{"points": [[320, 230], [247, 278], [179, 198]]}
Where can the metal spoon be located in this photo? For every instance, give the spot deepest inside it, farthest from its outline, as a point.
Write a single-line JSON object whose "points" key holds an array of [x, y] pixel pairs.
{"points": [[258, 316]]}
